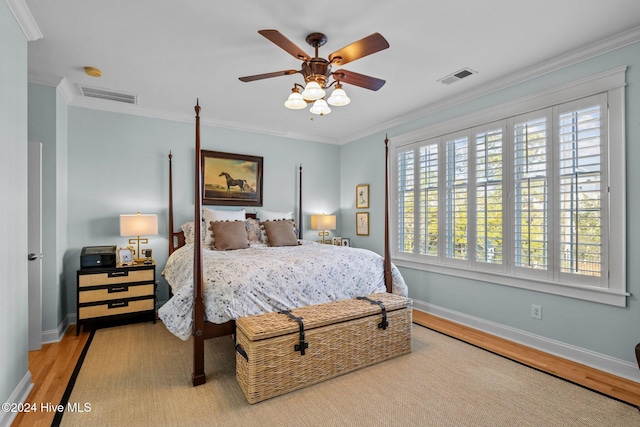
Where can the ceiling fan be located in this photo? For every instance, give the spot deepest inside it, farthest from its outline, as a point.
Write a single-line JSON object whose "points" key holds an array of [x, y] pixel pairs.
{"points": [[317, 71]]}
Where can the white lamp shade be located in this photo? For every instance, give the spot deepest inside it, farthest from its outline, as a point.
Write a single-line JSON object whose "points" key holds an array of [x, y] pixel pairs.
{"points": [[313, 91], [138, 224], [338, 98], [295, 101], [320, 107], [323, 222]]}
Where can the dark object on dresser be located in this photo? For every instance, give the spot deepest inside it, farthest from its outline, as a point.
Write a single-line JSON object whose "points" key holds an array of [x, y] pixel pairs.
{"points": [[98, 256]]}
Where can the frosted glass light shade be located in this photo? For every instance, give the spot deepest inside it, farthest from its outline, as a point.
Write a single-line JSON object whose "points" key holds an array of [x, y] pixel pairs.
{"points": [[320, 107], [295, 101], [313, 91], [338, 98]]}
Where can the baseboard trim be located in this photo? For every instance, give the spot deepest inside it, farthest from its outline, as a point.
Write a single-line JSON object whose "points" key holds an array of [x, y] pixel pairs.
{"points": [[599, 361], [18, 396], [55, 335]]}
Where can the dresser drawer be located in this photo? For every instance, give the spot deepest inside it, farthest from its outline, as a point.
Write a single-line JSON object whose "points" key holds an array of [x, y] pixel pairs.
{"points": [[116, 307], [116, 292], [115, 277]]}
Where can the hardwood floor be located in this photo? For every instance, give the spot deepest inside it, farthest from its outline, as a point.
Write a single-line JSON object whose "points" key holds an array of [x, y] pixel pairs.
{"points": [[611, 385], [52, 366]]}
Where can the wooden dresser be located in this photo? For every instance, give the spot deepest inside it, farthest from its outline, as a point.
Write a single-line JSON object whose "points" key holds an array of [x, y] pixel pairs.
{"points": [[116, 294]]}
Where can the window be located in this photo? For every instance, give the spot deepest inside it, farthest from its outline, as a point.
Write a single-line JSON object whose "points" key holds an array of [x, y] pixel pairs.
{"points": [[526, 200]]}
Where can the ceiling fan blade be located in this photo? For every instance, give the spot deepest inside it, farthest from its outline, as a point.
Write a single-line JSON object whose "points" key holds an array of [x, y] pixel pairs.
{"points": [[357, 79], [356, 50], [268, 75], [277, 38]]}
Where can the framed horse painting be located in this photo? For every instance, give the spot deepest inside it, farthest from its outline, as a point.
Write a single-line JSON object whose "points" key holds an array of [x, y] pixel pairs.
{"points": [[231, 179]]}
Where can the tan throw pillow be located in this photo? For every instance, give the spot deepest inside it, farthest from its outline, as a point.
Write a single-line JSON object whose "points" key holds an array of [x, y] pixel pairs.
{"points": [[280, 233], [229, 235]]}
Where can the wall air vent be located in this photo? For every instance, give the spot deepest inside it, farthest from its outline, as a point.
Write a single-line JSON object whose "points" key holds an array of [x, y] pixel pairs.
{"points": [[111, 95], [458, 75]]}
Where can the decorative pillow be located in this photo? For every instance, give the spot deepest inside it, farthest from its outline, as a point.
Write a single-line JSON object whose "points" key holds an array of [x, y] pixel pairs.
{"points": [[229, 235], [280, 233], [263, 215], [209, 215], [253, 230], [187, 229]]}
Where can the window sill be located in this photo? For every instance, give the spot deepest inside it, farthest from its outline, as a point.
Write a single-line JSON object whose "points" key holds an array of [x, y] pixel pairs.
{"points": [[594, 294]]}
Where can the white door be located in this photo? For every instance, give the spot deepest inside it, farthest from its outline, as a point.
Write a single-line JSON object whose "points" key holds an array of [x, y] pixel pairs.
{"points": [[35, 245]]}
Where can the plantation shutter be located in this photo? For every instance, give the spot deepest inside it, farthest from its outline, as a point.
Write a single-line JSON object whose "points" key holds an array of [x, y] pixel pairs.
{"points": [[531, 193], [489, 196], [406, 201], [457, 170], [429, 200], [581, 193]]}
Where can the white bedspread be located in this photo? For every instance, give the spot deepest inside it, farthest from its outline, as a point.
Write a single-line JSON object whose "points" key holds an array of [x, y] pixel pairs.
{"points": [[264, 279]]}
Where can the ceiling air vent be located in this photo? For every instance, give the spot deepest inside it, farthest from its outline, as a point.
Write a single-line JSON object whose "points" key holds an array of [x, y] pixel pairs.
{"points": [[111, 95], [458, 75]]}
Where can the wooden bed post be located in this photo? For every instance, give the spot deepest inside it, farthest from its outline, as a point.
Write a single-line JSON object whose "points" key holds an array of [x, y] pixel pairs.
{"points": [[171, 243], [387, 257], [198, 376], [300, 204]]}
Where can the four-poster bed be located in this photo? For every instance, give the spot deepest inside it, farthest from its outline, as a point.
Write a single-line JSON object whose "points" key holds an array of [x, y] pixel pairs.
{"points": [[213, 311]]}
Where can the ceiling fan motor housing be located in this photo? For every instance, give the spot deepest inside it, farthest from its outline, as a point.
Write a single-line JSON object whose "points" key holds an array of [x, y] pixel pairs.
{"points": [[317, 69]]}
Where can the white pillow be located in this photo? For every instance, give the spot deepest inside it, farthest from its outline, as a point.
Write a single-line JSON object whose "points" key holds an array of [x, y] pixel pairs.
{"points": [[187, 229], [263, 215], [209, 215]]}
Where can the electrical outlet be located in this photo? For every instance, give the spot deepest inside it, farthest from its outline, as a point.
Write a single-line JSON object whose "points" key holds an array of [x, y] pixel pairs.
{"points": [[536, 311]]}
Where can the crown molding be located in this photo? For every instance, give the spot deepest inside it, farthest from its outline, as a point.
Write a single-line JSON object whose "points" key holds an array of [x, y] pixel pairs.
{"points": [[66, 91], [567, 59], [118, 107], [25, 19]]}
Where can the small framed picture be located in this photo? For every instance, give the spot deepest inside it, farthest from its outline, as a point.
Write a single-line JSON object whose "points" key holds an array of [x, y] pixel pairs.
{"points": [[362, 223], [337, 241], [125, 256], [344, 241], [362, 196]]}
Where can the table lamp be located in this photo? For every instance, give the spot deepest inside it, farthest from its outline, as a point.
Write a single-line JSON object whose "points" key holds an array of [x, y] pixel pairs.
{"points": [[323, 222], [138, 225]]}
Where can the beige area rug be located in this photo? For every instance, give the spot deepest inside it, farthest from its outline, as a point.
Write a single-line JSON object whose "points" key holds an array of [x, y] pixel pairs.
{"points": [[139, 375]]}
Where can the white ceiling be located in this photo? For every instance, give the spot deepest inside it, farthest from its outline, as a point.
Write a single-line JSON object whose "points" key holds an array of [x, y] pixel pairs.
{"points": [[171, 52]]}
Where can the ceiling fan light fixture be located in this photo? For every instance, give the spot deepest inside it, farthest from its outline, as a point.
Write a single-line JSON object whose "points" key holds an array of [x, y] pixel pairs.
{"points": [[313, 91], [320, 107], [338, 97], [295, 100]]}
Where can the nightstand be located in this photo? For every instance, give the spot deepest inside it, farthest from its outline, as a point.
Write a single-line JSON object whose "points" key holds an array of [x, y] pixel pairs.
{"points": [[116, 294]]}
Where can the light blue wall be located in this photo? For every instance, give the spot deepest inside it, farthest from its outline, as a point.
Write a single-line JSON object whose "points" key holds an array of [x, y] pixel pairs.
{"points": [[117, 164], [13, 213], [600, 328]]}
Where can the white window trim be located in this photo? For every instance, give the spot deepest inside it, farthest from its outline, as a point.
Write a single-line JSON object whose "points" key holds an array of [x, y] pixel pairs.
{"points": [[612, 82]]}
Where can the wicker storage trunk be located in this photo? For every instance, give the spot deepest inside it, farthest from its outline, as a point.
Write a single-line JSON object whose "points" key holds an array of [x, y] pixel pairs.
{"points": [[277, 353]]}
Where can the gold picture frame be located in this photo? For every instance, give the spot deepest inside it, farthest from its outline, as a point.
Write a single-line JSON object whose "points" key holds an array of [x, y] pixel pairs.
{"points": [[362, 196], [231, 179], [362, 223]]}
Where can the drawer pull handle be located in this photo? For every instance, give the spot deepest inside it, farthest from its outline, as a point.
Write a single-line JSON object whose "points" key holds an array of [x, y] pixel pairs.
{"points": [[114, 289], [118, 304], [118, 273]]}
